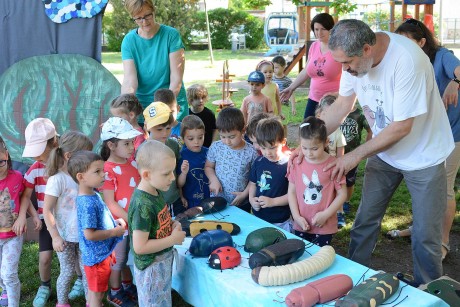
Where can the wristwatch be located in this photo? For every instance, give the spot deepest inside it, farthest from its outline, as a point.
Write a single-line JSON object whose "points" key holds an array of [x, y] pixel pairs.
{"points": [[456, 80]]}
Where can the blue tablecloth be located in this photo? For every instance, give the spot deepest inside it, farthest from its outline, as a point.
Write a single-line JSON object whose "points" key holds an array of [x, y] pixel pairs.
{"points": [[202, 286]]}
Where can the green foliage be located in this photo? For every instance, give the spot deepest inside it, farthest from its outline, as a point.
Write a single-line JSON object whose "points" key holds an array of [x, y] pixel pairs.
{"points": [[221, 23], [175, 13], [254, 30], [179, 14], [340, 7], [249, 4], [116, 24], [380, 20]]}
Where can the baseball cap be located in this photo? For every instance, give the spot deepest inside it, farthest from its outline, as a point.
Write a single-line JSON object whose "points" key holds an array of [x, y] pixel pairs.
{"points": [[256, 76], [117, 127], [156, 113], [37, 134]]}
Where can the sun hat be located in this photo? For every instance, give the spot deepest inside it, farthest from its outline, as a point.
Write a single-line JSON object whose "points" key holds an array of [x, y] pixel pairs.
{"points": [[156, 113], [256, 76], [117, 127], [37, 134]]}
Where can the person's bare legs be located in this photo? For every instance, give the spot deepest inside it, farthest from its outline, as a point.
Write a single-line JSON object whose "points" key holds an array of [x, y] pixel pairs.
{"points": [[95, 298], [44, 265]]}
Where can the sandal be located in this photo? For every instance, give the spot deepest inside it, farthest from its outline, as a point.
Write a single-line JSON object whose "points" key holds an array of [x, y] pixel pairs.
{"points": [[445, 250]]}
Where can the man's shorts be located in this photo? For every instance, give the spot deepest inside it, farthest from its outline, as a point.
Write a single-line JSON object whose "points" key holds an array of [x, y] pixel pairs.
{"points": [[98, 275]]}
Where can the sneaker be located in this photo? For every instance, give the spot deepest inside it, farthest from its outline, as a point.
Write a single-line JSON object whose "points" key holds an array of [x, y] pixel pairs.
{"points": [[43, 294], [346, 207], [77, 290], [131, 292], [120, 299], [340, 220], [4, 298]]}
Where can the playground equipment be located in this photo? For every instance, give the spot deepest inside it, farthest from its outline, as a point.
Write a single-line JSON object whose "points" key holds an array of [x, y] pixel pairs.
{"points": [[280, 32], [304, 16], [226, 90]]}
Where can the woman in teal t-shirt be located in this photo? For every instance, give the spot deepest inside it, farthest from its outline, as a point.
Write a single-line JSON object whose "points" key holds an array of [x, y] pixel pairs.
{"points": [[153, 57]]}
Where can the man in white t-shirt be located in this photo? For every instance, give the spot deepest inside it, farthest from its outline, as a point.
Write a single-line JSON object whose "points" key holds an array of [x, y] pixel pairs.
{"points": [[394, 82]]}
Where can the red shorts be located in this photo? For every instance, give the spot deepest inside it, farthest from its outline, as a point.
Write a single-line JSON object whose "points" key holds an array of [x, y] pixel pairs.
{"points": [[98, 275]]}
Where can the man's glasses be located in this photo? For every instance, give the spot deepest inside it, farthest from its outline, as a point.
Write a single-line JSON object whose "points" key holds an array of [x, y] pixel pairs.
{"points": [[3, 162], [144, 18]]}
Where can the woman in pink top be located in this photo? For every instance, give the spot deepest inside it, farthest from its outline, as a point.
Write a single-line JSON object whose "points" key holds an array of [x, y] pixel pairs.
{"points": [[321, 68]]}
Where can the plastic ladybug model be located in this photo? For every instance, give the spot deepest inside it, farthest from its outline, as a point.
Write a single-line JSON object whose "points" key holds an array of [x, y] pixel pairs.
{"points": [[224, 258]]}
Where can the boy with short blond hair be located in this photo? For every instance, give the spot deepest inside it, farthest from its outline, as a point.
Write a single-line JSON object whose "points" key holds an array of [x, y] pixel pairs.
{"points": [[152, 231], [268, 184], [229, 160], [158, 120]]}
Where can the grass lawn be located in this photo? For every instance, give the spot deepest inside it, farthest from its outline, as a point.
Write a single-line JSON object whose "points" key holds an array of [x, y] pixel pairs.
{"points": [[398, 216]]}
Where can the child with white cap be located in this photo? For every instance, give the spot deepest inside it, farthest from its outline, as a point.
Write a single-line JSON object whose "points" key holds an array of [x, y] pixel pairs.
{"points": [[121, 179], [41, 138]]}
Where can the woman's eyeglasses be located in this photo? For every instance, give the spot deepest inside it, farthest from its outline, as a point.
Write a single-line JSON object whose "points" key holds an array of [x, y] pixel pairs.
{"points": [[414, 22], [141, 19], [3, 163]]}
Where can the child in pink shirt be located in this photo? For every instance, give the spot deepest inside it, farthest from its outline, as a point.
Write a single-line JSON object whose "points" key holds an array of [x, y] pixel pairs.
{"points": [[313, 197], [11, 188]]}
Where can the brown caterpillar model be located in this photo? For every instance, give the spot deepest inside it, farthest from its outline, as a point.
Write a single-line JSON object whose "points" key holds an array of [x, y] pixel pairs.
{"points": [[320, 291], [291, 273]]}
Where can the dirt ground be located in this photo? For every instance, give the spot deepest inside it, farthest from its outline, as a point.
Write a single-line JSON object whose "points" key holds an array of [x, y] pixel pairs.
{"points": [[394, 256]]}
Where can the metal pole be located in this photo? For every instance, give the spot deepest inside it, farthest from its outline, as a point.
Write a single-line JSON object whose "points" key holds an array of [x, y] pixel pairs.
{"points": [[440, 23], [209, 33]]}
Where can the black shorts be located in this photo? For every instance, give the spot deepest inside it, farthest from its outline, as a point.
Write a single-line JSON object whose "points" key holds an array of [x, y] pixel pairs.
{"points": [[45, 242], [351, 176]]}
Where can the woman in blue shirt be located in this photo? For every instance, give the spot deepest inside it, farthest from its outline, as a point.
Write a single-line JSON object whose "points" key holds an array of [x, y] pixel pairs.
{"points": [[447, 73]]}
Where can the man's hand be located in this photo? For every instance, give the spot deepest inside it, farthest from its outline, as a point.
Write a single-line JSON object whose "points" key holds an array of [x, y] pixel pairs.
{"points": [[342, 165], [296, 157]]}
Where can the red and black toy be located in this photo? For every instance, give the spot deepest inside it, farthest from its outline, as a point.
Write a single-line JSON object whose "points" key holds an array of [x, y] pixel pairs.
{"points": [[224, 258]]}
